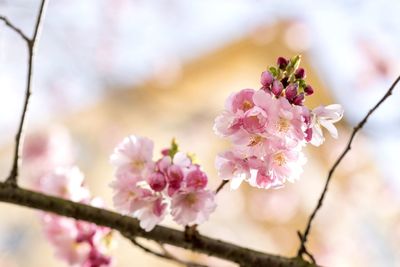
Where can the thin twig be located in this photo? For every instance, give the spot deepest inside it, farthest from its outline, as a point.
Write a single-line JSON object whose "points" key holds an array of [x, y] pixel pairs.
{"points": [[221, 185], [165, 255], [32, 43], [303, 237], [15, 29]]}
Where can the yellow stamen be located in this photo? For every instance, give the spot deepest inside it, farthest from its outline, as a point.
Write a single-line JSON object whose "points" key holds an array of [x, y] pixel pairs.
{"points": [[247, 105], [280, 159], [255, 140], [191, 199], [283, 125], [137, 164]]}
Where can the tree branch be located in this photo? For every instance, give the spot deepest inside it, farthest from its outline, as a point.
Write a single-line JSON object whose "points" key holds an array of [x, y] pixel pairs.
{"points": [[303, 237], [13, 176], [130, 226], [166, 255]]}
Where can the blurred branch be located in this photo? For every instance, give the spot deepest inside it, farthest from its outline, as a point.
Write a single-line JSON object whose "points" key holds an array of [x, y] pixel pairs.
{"points": [[13, 176], [129, 226], [303, 237], [165, 255]]}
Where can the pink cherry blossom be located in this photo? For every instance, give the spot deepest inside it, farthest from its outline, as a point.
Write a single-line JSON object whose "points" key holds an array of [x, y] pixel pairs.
{"points": [[133, 155], [128, 195], [76, 242], [232, 166], [62, 233], [43, 152], [152, 213], [66, 183], [262, 178], [146, 195], [269, 127], [241, 101], [287, 121], [226, 124], [255, 120], [286, 164], [192, 206]]}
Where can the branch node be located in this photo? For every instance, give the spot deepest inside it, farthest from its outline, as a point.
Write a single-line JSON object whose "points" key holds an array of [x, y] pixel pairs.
{"points": [[191, 233]]}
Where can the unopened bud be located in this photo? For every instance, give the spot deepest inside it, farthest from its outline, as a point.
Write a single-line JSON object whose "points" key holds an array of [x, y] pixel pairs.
{"points": [[291, 92], [300, 73], [277, 88], [308, 90], [282, 63], [266, 78], [299, 99], [157, 181]]}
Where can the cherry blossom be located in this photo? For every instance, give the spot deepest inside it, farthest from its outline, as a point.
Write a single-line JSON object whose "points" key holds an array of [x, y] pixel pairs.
{"points": [[66, 183], [269, 128], [133, 155], [326, 117], [192, 206], [173, 183], [78, 243]]}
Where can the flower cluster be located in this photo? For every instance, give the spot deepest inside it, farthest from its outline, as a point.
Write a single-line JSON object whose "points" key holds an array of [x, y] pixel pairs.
{"points": [[270, 126], [146, 189], [78, 243]]}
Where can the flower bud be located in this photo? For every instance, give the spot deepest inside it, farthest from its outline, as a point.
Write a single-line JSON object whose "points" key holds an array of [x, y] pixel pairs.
{"points": [[266, 78], [165, 152], [277, 88], [300, 73], [291, 92], [282, 63], [157, 181], [299, 99], [196, 179], [308, 90]]}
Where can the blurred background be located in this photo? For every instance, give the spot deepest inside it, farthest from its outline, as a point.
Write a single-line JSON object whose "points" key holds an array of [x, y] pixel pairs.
{"points": [[106, 69]]}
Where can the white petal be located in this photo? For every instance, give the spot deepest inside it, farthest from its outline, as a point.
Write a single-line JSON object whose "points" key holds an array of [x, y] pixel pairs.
{"points": [[317, 136], [330, 127], [237, 180]]}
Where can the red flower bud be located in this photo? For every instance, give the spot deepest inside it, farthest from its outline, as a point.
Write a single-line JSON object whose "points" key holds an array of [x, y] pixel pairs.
{"points": [[282, 63], [299, 99], [277, 88], [300, 73], [266, 78], [291, 92], [308, 90]]}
